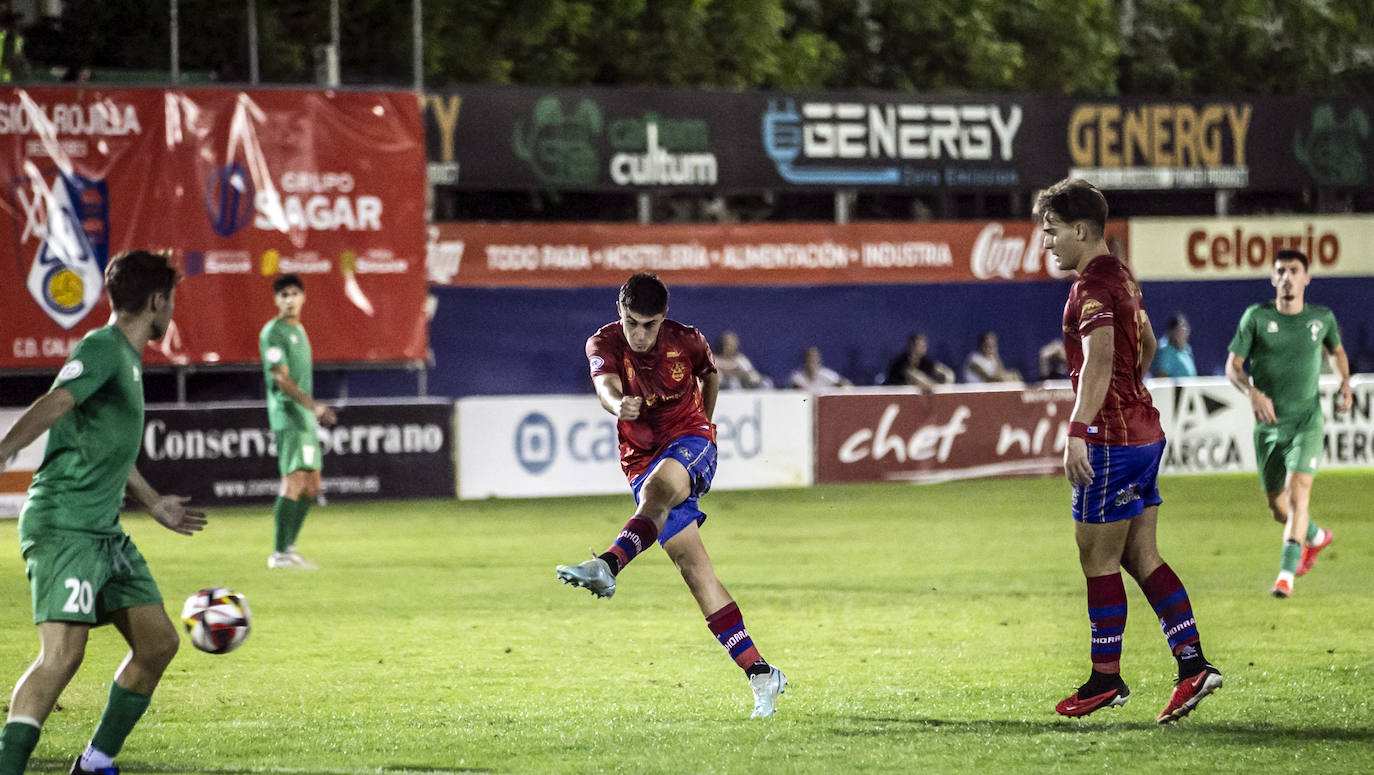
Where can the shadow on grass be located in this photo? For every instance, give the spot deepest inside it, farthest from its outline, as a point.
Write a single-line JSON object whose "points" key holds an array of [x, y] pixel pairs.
{"points": [[1253, 733]]}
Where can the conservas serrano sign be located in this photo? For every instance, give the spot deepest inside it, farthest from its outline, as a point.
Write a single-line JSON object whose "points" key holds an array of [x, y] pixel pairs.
{"points": [[238, 186]]}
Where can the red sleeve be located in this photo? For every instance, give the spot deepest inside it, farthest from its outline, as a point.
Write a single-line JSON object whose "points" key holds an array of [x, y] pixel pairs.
{"points": [[1095, 308], [703, 362], [601, 357]]}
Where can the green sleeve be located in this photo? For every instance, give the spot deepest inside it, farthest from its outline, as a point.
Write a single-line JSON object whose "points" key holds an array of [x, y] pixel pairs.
{"points": [[1332, 339], [274, 348], [1244, 338], [90, 365]]}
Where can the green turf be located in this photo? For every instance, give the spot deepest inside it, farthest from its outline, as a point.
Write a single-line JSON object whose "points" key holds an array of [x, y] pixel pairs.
{"points": [[924, 629]]}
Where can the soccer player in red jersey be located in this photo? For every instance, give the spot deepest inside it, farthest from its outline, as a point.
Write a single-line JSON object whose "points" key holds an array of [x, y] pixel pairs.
{"points": [[658, 378], [1112, 456]]}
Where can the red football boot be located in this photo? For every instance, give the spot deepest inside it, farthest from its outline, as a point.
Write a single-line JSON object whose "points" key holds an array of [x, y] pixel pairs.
{"points": [[1188, 692]]}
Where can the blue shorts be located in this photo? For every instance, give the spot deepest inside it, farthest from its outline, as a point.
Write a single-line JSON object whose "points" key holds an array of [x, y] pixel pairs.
{"points": [[1125, 483], [698, 455]]}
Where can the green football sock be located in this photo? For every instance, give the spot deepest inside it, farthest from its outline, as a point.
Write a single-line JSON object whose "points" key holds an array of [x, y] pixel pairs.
{"points": [[302, 508], [282, 511], [1288, 560], [1312, 532], [17, 741], [122, 712]]}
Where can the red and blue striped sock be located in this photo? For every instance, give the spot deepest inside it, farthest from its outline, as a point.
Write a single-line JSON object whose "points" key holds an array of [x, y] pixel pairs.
{"points": [[1107, 614], [637, 535], [1170, 601], [727, 625]]}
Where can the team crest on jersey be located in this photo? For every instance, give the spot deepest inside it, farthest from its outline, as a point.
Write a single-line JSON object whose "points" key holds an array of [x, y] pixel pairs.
{"points": [[1316, 328], [1273, 327], [70, 371], [677, 371]]}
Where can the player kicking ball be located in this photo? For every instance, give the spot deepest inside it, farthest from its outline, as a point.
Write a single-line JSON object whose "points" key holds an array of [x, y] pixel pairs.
{"points": [[658, 378], [1112, 456]]}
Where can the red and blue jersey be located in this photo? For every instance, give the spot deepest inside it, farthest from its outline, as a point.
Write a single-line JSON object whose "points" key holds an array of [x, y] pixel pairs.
{"points": [[1106, 294], [666, 378]]}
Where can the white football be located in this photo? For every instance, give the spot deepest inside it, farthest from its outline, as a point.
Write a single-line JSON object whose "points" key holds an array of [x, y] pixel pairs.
{"points": [[217, 619]]}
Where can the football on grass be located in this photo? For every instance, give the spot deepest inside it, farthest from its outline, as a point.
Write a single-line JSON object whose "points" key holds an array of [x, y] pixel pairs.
{"points": [[217, 620]]}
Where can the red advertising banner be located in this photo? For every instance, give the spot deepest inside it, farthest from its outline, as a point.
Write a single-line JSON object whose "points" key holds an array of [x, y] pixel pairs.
{"points": [[238, 186], [602, 254], [875, 437]]}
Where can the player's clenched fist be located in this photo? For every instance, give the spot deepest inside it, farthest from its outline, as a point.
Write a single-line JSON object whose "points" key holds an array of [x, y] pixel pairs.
{"points": [[629, 408]]}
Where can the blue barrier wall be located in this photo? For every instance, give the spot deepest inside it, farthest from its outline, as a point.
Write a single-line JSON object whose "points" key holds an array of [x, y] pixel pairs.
{"points": [[507, 341]]}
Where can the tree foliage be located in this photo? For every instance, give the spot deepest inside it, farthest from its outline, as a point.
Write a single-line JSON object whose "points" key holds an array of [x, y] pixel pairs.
{"points": [[1169, 47]]}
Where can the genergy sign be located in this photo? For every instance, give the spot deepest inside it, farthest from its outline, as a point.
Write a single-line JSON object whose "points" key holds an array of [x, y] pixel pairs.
{"points": [[1237, 248]]}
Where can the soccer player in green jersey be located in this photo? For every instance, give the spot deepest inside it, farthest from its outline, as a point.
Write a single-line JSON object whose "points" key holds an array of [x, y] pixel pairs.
{"points": [[1285, 340], [293, 415], [83, 569]]}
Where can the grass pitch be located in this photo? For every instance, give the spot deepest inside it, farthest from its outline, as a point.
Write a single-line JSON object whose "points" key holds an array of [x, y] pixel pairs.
{"points": [[924, 629]]}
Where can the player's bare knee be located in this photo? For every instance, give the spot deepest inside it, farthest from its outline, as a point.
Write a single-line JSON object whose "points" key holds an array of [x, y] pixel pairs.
{"points": [[156, 653]]}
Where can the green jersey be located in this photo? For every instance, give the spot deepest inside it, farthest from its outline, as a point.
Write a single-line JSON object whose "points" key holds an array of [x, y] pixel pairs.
{"points": [[92, 448], [282, 343], [1285, 353]]}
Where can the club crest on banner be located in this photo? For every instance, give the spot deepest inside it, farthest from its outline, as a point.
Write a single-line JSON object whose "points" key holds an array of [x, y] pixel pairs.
{"points": [[64, 240]]}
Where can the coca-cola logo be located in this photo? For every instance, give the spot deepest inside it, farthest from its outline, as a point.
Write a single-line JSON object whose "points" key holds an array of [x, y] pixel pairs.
{"points": [[999, 256], [1240, 249]]}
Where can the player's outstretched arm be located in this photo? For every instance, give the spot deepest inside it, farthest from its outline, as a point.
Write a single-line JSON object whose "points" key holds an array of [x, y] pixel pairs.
{"points": [[169, 510], [35, 421]]}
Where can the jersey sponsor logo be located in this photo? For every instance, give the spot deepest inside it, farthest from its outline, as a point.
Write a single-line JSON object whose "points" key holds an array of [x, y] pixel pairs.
{"points": [[673, 354], [70, 371], [274, 354]]}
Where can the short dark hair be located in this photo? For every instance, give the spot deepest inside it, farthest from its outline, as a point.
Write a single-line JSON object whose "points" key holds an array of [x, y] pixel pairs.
{"points": [[1289, 254], [282, 281], [1177, 319], [644, 294], [132, 277], [1071, 200]]}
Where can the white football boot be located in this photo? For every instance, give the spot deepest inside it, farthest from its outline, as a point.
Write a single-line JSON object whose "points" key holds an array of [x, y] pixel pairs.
{"points": [[594, 574], [767, 687]]}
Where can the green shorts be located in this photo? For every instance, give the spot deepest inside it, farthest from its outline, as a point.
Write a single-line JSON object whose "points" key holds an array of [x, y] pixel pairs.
{"points": [[297, 450], [1280, 450], [79, 577]]}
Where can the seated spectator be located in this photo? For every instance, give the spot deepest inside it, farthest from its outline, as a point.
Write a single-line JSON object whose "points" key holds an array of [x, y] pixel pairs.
{"points": [[914, 366], [1174, 358], [814, 376], [735, 369], [1054, 362], [985, 363]]}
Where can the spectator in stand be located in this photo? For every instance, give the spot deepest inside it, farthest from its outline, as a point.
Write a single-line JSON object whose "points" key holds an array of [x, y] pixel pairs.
{"points": [[985, 363], [735, 369], [915, 367], [1054, 362], [814, 376], [1175, 356]]}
